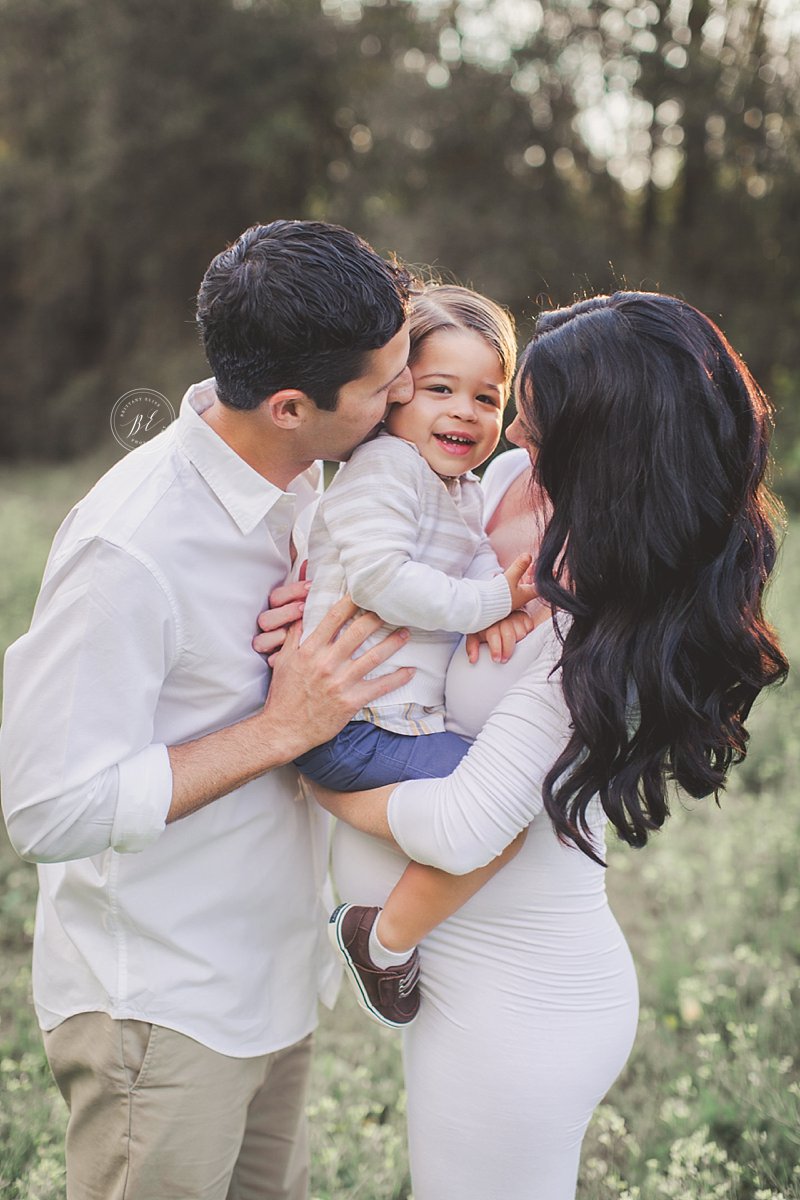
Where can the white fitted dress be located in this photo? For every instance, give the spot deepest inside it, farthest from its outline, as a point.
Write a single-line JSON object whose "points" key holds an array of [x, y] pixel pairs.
{"points": [[529, 993]]}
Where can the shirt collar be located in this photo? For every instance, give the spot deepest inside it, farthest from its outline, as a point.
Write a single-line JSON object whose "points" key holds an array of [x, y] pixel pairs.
{"points": [[245, 494]]}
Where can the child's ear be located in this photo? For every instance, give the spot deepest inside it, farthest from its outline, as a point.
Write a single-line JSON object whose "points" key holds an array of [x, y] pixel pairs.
{"points": [[288, 407]]}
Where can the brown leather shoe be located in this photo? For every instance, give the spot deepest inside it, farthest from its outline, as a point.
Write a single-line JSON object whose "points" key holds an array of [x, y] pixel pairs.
{"points": [[391, 994]]}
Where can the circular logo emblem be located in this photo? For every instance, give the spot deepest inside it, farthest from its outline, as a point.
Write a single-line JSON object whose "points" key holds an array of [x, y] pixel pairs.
{"points": [[139, 415]]}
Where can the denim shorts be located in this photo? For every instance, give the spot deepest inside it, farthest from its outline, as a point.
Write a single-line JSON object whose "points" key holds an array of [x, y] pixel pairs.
{"points": [[365, 756]]}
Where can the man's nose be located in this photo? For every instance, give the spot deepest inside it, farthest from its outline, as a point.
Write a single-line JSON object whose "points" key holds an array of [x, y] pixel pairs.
{"points": [[402, 389]]}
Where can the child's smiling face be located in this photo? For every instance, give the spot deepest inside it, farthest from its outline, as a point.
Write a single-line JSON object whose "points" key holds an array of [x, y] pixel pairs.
{"points": [[456, 414]]}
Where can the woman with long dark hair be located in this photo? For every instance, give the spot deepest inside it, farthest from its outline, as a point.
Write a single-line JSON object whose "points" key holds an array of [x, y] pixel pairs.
{"points": [[647, 438]]}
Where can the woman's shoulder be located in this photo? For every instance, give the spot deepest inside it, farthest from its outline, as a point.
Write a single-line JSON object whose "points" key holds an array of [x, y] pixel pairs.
{"points": [[501, 473]]}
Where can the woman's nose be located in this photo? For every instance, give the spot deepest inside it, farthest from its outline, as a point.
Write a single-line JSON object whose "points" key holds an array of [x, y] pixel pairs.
{"points": [[514, 433]]}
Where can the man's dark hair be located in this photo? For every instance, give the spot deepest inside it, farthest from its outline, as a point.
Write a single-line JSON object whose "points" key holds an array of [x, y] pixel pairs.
{"points": [[297, 304]]}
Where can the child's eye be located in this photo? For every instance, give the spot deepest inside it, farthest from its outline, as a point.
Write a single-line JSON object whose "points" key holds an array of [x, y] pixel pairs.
{"points": [[492, 400], [441, 389]]}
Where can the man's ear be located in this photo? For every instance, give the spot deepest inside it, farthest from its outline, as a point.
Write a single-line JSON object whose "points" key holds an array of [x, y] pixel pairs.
{"points": [[288, 407]]}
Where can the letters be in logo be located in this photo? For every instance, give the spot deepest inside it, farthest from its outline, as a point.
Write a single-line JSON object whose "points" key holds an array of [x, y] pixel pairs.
{"points": [[139, 415]]}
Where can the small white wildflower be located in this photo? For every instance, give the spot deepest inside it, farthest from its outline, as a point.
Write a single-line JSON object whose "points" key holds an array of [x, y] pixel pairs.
{"points": [[691, 1010]]}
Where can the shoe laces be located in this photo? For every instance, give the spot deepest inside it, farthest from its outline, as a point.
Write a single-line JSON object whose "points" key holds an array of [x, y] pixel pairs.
{"points": [[409, 981]]}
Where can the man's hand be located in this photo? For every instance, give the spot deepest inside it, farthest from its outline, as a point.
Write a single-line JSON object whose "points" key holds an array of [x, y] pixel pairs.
{"points": [[317, 687], [286, 604], [519, 580], [502, 637]]}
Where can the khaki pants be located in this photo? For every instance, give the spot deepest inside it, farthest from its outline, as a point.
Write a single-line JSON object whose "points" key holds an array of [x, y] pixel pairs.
{"points": [[154, 1115]]}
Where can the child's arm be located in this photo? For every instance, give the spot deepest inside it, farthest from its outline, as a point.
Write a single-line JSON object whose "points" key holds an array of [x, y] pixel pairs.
{"points": [[425, 896], [484, 563], [372, 513]]}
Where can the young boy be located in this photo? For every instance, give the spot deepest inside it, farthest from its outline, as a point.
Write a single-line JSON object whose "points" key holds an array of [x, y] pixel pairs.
{"points": [[401, 530]]}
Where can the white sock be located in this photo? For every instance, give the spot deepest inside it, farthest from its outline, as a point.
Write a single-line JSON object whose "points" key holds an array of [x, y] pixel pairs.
{"points": [[380, 955]]}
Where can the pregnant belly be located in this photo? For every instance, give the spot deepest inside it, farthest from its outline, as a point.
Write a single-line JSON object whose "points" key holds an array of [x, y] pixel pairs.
{"points": [[365, 869], [537, 938]]}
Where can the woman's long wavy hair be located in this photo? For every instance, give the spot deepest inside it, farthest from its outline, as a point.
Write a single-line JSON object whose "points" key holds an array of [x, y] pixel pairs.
{"points": [[651, 441]]}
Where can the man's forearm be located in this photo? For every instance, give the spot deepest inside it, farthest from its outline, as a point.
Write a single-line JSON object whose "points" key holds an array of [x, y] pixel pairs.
{"points": [[315, 690], [220, 762]]}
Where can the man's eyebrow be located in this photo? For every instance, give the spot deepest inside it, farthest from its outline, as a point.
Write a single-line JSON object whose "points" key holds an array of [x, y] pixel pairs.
{"points": [[492, 387]]}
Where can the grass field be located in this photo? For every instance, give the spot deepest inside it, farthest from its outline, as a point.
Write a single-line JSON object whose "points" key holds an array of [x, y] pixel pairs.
{"points": [[709, 1103]]}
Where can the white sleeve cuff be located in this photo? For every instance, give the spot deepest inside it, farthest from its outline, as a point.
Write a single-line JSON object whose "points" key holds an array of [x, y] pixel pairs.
{"points": [[143, 799], [497, 601]]}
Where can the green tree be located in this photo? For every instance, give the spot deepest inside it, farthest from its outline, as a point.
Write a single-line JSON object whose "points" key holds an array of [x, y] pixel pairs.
{"points": [[532, 150]]}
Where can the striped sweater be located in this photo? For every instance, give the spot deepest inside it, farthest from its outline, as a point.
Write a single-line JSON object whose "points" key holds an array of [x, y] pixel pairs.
{"points": [[409, 546]]}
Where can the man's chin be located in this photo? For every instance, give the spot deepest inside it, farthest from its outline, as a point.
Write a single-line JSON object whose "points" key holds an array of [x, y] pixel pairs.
{"points": [[373, 433]]}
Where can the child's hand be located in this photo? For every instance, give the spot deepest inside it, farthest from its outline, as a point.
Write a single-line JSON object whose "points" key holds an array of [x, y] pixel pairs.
{"points": [[519, 577], [286, 604], [502, 637]]}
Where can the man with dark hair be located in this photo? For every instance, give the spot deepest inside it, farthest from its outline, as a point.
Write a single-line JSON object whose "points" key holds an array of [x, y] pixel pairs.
{"points": [[177, 962], [263, 298]]}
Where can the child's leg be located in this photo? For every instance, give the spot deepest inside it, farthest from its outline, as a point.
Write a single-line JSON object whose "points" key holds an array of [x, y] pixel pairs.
{"points": [[378, 945], [365, 756], [425, 896], [385, 976]]}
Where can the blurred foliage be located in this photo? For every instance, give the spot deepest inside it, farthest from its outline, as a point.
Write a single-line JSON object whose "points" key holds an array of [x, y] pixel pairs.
{"points": [[709, 1103], [534, 150]]}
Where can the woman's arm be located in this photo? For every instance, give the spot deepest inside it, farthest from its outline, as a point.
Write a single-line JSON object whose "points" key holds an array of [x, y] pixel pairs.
{"points": [[462, 822], [424, 896], [365, 810]]}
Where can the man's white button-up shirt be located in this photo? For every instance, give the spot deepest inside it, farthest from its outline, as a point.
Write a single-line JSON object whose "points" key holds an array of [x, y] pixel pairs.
{"points": [[141, 639]]}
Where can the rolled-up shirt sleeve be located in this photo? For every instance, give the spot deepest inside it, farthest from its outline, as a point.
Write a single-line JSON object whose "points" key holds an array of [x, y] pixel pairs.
{"points": [[465, 820], [81, 769]]}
